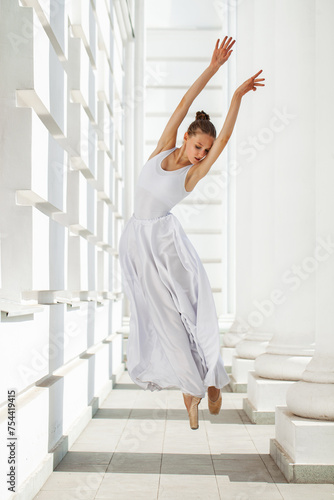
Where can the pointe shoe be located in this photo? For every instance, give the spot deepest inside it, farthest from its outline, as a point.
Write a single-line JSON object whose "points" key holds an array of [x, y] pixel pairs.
{"points": [[214, 406], [193, 412]]}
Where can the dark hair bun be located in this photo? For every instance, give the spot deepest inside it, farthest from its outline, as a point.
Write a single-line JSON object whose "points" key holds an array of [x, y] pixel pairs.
{"points": [[201, 115]]}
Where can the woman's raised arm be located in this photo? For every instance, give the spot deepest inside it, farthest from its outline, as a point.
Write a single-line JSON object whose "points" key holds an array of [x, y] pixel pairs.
{"points": [[219, 57], [200, 170]]}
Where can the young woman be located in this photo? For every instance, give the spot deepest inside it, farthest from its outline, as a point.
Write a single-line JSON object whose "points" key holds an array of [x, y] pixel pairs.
{"points": [[174, 336]]}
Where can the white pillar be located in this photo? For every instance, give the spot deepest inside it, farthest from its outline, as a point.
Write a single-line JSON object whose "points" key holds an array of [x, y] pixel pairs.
{"points": [[304, 444], [134, 120], [231, 335], [254, 235], [318, 379], [129, 140], [139, 88], [295, 251], [129, 129]]}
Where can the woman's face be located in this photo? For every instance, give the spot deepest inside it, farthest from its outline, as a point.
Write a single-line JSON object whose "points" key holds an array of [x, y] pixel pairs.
{"points": [[197, 146]]}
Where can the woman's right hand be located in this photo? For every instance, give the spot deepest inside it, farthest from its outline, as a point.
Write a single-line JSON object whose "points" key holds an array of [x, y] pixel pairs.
{"points": [[250, 84], [221, 53]]}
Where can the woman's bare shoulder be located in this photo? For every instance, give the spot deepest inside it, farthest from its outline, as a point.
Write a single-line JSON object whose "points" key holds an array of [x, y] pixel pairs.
{"points": [[161, 149]]}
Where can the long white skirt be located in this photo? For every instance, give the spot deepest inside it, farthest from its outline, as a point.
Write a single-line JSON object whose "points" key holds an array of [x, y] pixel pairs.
{"points": [[174, 334]]}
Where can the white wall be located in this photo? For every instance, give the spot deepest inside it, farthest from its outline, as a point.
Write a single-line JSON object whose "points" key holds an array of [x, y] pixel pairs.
{"points": [[62, 180]]}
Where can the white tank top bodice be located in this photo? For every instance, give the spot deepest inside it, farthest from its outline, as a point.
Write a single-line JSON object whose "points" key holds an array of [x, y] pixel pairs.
{"points": [[158, 190]]}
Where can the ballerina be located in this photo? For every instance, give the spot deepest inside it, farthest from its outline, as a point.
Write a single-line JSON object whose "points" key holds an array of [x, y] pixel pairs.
{"points": [[174, 334]]}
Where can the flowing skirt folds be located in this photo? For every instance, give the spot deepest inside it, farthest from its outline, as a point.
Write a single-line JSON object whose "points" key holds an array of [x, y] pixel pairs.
{"points": [[174, 335]]}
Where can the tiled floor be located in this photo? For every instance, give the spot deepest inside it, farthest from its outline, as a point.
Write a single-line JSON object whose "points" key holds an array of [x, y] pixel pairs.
{"points": [[139, 446]]}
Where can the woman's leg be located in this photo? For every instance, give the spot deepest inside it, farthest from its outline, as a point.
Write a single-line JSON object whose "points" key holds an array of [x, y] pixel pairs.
{"points": [[192, 403], [187, 400]]}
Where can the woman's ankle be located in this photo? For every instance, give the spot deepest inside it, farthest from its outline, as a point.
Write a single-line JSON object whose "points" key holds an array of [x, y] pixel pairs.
{"points": [[187, 400]]}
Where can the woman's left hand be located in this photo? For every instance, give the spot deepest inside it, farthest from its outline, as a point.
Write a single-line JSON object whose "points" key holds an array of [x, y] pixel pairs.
{"points": [[221, 53], [251, 84]]}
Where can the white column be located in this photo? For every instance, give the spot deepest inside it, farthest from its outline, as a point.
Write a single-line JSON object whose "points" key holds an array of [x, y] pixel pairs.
{"points": [[129, 129], [134, 122], [231, 335], [252, 175], [129, 140], [313, 396], [304, 444], [139, 88], [295, 254]]}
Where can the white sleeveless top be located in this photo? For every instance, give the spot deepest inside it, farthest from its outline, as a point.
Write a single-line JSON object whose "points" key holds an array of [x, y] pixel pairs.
{"points": [[158, 190]]}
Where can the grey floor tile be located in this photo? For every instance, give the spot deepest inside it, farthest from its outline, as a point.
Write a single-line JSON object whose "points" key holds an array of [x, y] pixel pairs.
{"points": [[133, 494], [243, 469], [148, 414], [81, 457], [306, 491], [74, 481], [97, 446], [109, 441], [273, 470], [179, 414], [188, 469], [64, 495], [240, 457], [101, 428], [247, 490], [227, 431], [225, 416], [118, 486], [76, 461], [235, 446], [261, 430], [112, 413], [121, 399], [181, 463], [143, 463], [68, 467], [188, 487], [181, 458], [239, 466], [144, 429], [140, 446], [244, 476]]}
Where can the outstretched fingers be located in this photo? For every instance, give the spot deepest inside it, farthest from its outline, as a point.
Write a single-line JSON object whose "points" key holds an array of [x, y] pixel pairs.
{"points": [[223, 42], [230, 46], [257, 80], [257, 73], [256, 84], [252, 83], [227, 45]]}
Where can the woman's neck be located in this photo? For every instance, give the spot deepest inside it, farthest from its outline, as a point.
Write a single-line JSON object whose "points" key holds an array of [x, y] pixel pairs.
{"points": [[181, 159]]}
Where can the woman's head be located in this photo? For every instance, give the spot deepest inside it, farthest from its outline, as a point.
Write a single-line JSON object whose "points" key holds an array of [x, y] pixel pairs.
{"points": [[203, 124], [199, 137]]}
